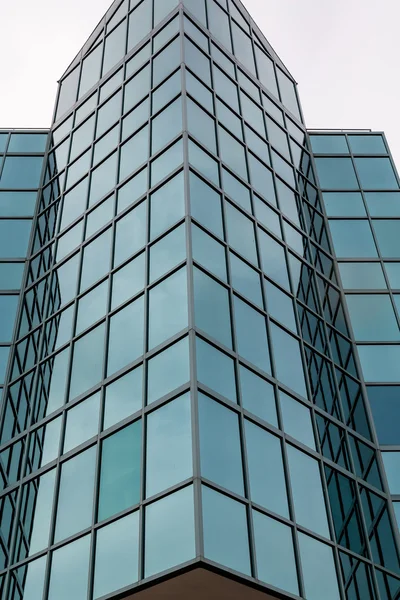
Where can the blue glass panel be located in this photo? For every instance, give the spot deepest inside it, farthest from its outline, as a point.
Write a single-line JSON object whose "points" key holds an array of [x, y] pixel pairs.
{"points": [[92, 307], [280, 306], [168, 308], [232, 153], [308, 497], [376, 173], [140, 21], [130, 233], [380, 363], [168, 370], [197, 62], [362, 276], [385, 406], [258, 396], [393, 271], [114, 47], [372, 317], [220, 450], [100, 216], [251, 335], [69, 571], [288, 362], [219, 24], [206, 205], [11, 275], [241, 233], [209, 252], [126, 336], [204, 163], [35, 578], [391, 461], [352, 238], [4, 354], [21, 172], [116, 560], [246, 280], [134, 153], [276, 564], [137, 88], [14, 238], [273, 259], [167, 253], [39, 538], [75, 497], [17, 204], [320, 579], [201, 126], [167, 206], [212, 312], [109, 113], [344, 204], [166, 61], [261, 179], [216, 370], [166, 125], [87, 364], [119, 486], [123, 397], [96, 259], [236, 190], [169, 532], [266, 471], [329, 144], [336, 173], [128, 281], [367, 144], [169, 446], [388, 237], [82, 422], [8, 310], [383, 204], [225, 531], [132, 190], [296, 418]]}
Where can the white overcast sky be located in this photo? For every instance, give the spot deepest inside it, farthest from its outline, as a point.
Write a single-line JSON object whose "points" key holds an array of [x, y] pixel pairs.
{"points": [[344, 55]]}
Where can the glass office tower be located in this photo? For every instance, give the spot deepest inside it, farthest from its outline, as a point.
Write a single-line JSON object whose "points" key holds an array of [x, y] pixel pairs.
{"points": [[184, 412]]}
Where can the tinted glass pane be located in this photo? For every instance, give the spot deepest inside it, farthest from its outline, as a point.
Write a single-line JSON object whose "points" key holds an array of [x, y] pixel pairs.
{"points": [[391, 460], [372, 317], [380, 363], [14, 238], [212, 308], [319, 572], [387, 233], [209, 253], [258, 396], [206, 205], [123, 397], [393, 271], [116, 561], [266, 472], [17, 204], [39, 538], [344, 204], [297, 420], [87, 365], [220, 451], [385, 406], [376, 173], [11, 275], [168, 308], [329, 144], [169, 534], [168, 371], [215, 369], [383, 204], [169, 446], [92, 307], [307, 492], [69, 571], [225, 531], [82, 422], [352, 238], [166, 125], [359, 276], [367, 144], [167, 206], [126, 336], [21, 172], [120, 471], [276, 563], [130, 233], [273, 259], [241, 233], [246, 280], [168, 252], [96, 259], [336, 173], [251, 335], [8, 309], [75, 498], [35, 577]]}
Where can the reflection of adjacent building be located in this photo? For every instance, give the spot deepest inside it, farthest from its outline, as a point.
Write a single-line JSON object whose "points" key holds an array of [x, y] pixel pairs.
{"points": [[184, 405]]}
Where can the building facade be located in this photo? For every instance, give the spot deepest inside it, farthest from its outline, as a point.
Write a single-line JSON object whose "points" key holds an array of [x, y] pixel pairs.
{"points": [[198, 384]]}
